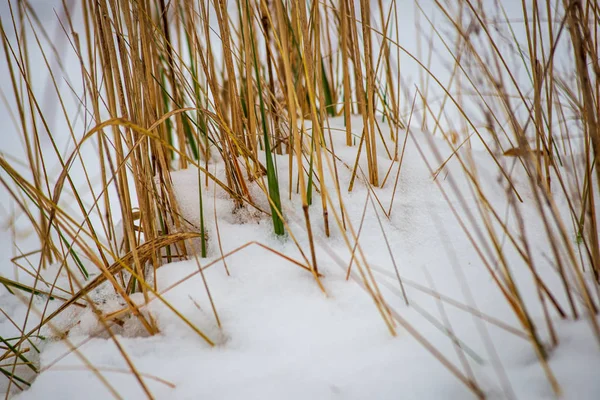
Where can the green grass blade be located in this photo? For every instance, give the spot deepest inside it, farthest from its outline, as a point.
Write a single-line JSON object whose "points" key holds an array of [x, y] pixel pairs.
{"points": [[329, 103], [17, 285], [272, 180], [19, 355], [201, 206], [13, 376]]}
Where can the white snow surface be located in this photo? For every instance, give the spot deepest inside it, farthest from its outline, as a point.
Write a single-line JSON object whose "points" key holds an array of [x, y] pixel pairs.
{"points": [[281, 337]]}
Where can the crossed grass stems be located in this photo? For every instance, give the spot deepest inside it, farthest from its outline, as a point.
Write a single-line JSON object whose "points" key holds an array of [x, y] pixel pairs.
{"points": [[156, 98]]}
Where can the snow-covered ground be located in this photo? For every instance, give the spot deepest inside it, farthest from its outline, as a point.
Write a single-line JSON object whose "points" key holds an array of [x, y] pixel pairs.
{"points": [[282, 337]]}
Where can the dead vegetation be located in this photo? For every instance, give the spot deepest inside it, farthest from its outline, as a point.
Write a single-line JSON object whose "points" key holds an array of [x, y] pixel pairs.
{"points": [[168, 85]]}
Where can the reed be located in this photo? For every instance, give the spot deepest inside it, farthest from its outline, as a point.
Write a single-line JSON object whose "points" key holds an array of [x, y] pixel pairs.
{"points": [[160, 94]]}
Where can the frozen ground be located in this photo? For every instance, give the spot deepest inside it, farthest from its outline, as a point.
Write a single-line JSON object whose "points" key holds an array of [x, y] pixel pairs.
{"points": [[283, 338]]}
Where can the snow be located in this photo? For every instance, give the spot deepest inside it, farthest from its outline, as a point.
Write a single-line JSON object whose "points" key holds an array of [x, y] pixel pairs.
{"points": [[282, 337]]}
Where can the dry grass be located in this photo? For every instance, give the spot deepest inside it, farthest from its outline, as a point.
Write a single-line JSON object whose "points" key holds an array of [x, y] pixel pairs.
{"points": [[157, 98]]}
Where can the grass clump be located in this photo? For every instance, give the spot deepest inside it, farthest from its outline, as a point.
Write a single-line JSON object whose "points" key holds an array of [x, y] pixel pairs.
{"points": [[251, 84]]}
